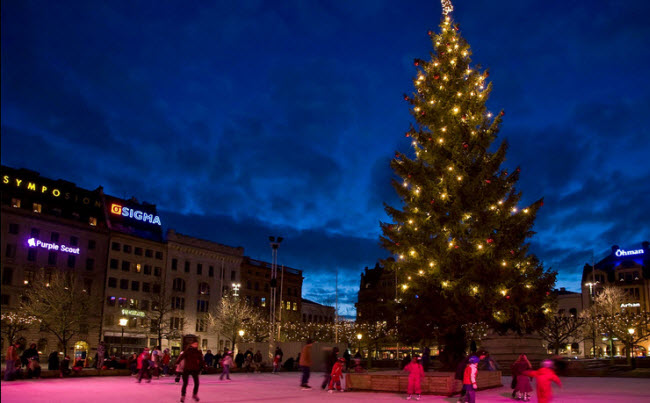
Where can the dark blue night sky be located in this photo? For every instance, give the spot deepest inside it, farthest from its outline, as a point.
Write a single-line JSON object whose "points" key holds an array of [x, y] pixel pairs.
{"points": [[246, 119]]}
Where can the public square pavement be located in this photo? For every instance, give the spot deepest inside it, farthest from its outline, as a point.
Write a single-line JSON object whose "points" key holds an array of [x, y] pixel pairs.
{"points": [[284, 387]]}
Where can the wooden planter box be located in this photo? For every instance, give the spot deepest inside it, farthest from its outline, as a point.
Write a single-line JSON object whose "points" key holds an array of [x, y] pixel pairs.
{"points": [[436, 383]]}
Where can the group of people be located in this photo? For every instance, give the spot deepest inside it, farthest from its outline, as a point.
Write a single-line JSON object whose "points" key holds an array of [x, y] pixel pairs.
{"points": [[28, 363], [522, 374]]}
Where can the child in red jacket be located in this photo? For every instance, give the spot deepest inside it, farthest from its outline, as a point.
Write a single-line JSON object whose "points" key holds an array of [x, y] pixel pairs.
{"points": [[545, 375], [416, 373], [337, 373]]}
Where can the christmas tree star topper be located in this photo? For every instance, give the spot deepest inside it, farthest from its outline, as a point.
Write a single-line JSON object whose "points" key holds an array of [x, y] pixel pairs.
{"points": [[447, 7]]}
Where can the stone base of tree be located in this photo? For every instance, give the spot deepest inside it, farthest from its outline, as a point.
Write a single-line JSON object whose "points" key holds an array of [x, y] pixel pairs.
{"points": [[435, 383], [505, 349]]}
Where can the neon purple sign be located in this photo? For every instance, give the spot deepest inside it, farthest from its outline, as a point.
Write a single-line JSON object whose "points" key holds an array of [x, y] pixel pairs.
{"points": [[37, 243]]}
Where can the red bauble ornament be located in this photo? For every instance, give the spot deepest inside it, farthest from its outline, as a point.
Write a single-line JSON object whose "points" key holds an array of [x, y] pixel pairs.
{"points": [[541, 204], [407, 135], [502, 113], [518, 170], [416, 63], [465, 146], [507, 296], [456, 27], [422, 113], [396, 155], [436, 77], [397, 244], [409, 175], [489, 240], [488, 181], [430, 33], [406, 98], [433, 201], [455, 246], [512, 252]]}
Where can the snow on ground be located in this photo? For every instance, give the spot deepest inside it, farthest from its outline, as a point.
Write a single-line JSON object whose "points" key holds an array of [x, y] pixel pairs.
{"points": [[266, 387]]}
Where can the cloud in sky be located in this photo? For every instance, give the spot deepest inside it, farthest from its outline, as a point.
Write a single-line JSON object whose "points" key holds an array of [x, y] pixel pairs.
{"points": [[249, 119]]}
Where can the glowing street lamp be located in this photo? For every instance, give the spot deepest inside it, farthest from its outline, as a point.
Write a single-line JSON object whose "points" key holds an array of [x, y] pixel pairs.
{"points": [[123, 323], [359, 336], [235, 289]]}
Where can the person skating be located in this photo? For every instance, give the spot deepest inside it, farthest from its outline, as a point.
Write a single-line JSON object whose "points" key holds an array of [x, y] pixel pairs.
{"points": [[165, 362], [143, 366], [416, 373], [12, 361], [276, 363], [226, 363], [330, 359], [544, 376], [305, 364], [193, 364], [521, 382], [469, 379], [53, 361], [101, 352], [335, 375]]}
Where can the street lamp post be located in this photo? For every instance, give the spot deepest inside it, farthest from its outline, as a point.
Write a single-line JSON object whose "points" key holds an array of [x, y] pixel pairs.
{"points": [[359, 336], [275, 244], [241, 336], [123, 322]]}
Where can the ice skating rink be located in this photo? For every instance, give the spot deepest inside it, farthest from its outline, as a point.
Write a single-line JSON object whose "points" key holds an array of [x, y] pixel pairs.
{"points": [[284, 387]]}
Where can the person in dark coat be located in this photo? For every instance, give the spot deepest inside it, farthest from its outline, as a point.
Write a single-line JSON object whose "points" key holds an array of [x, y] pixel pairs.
{"points": [[278, 351], [426, 358], [330, 359], [53, 361], [28, 354], [193, 364], [217, 358], [208, 358], [239, 360], [521, 383], [65, 367], [346, 355]]}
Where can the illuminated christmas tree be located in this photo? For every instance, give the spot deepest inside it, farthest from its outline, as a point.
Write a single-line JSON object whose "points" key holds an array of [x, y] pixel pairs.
{"points": [[460, 236]]}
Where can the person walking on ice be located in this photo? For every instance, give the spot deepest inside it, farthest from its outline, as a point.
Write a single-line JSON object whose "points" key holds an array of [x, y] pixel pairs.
{"points": [[193, 364]]}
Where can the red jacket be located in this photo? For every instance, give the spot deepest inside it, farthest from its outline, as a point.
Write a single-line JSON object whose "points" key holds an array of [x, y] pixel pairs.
{"points": [[415, 370], [469, 376], [337, 370], [544, 378], [193, 359], [143, 356]]}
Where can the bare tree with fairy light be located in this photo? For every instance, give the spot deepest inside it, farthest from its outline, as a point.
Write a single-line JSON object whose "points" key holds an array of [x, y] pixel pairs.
{"points": [[460, 236]]}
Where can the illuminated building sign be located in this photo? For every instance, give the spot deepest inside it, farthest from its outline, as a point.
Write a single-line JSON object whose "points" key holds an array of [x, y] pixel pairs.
{"points": [[135, 214], [132, 312], [621, 252], [631, 305], [36, 243], [48, 189]]}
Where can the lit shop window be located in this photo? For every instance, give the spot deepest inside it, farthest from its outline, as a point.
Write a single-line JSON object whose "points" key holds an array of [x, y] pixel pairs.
{"points": [[37, 208], [15, 203], [92, 221], [138, 267], [295, 306], [263, 301]]}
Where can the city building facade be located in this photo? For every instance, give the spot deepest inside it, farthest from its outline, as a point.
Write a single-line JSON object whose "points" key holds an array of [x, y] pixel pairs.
{"points": [[629, 270], [376, 292], [313, 312]]}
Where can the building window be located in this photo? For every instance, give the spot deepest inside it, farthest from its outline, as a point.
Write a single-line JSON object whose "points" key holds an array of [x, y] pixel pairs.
{"points": [[201, 305], [146, 287], [157, 271], [187, 266], [138, 251], [148, 253], [108, 319], [573, 312], [36, 232], [159, 255], [257, 286], [135, 286], [156, 288], [121, 302], [51, 258], [199, 268], [13, 228], [138, 267], [295, 306], [176, 323], [114, 263], [178, 285], [7, 275], [202, 326], [248, 285], [74, 241], [288, 305], [31, 254], [90, 264], [91, 244], [37, 207], [263, 301], [15, 203], [54, 237], [126, 248], [124, 284], [233, 275], [144, 304], [204, 289], [126, 265], [110, 301], [112, 282], [147, 269], [115, 246], [211, 271], [72, 261], [92, 221], [174, 264], [178, 303]]}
